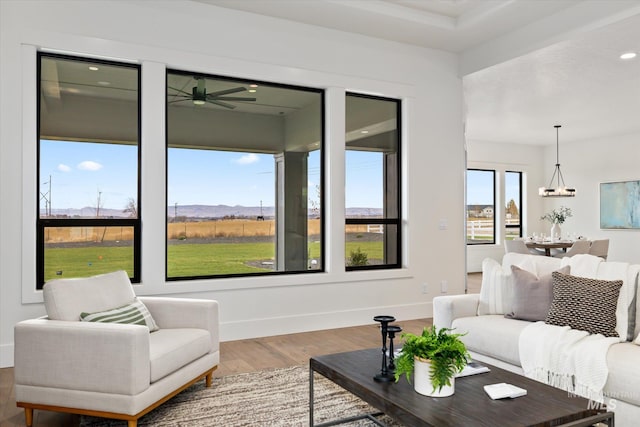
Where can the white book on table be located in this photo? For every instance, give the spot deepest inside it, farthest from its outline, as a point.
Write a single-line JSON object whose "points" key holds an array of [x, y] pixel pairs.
{"points": [[504, 390], [472, 368]]}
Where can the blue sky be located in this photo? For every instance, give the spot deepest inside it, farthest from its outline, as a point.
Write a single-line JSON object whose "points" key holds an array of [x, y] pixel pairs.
{"points": [[80, 172], [480, 187]]}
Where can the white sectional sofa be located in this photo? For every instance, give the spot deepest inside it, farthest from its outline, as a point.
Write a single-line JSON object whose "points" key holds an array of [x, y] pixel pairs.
{"points": [[495, 339]]}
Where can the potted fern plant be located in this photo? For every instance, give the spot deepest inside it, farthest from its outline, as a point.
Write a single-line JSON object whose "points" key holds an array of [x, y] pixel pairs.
{"points": [[434, 357]]}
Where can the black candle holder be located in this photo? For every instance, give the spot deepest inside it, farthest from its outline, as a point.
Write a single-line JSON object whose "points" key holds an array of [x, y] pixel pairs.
{"points": [[384, 371], [392, 330]]}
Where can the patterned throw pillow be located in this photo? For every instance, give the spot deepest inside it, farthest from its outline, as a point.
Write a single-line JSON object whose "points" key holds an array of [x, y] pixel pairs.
{"points": [[584, 304], [135, 313]]}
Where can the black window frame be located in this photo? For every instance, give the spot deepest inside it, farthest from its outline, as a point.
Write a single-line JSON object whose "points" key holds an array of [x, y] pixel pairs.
{"points": [[520, 206], [488, 242], [43, 223], [322, 94], [385, 221]]}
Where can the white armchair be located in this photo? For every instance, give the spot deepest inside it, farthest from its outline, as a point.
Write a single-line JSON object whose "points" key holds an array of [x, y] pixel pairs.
{"points": [[111, 370]]}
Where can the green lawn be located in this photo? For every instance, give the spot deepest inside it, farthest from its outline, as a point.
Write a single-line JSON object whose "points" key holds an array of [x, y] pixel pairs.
{"points": [[87, 261], [184, 259]]}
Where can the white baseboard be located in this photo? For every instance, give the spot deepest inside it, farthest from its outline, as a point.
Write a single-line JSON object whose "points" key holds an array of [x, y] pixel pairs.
{"points": [[6, 355], [254, 328]]}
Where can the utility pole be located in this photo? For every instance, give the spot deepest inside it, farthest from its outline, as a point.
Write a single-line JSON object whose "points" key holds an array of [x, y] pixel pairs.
{"points": [[98, 207], [47, 198]]}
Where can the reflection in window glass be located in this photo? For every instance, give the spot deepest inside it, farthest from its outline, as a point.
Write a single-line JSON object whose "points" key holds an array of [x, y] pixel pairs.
{"points": [[88, 167], [480, 206], [513, 197], [244, 174], [372, 183]]}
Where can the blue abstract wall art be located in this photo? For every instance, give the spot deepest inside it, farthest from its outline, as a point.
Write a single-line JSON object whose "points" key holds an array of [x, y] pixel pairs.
{"points": [[620, 205]]}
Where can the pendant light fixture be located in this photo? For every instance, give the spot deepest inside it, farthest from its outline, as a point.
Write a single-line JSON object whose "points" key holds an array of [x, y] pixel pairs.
{"points": [[559, 190]]}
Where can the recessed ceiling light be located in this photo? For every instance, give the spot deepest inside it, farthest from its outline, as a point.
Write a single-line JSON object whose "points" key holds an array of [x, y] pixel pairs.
{"points": [[253, 85], [364, 131], [628, 55], [93, 68], [104, 83], [252, 90]]}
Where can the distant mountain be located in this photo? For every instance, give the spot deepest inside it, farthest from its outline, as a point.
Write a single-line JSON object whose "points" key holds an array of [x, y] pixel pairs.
{"points": [[88, 212], [202, 211], [219, 211]]}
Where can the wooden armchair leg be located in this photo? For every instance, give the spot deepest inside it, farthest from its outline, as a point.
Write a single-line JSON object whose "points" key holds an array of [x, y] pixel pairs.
{"points": [[132, 423], [28, 416], [208, 378]]}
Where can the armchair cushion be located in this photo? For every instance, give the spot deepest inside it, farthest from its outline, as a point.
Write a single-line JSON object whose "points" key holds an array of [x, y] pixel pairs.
{"points": [[171, 349], [134, 313], [65, 299]]}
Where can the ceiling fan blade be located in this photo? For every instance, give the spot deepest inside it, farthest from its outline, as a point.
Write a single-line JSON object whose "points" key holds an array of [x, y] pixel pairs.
{"points": [[222, 104], [226, 92], [233, 98], [180, 91], [178, 100]]}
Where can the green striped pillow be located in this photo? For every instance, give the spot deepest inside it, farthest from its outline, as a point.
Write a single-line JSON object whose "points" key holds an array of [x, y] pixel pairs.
{"points": [[134, 313]]}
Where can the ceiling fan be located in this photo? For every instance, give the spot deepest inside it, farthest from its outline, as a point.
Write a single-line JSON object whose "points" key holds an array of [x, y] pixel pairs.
{"points": [[199, 95]]}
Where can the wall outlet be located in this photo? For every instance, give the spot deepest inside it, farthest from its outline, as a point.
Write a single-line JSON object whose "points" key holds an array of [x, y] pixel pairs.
{"points": [[425, 288], [443, 224], [443, 286]]}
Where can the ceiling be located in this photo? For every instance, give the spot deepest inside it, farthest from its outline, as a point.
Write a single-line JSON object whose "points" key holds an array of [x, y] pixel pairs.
{"points": [[579, 82], [452, 25]]}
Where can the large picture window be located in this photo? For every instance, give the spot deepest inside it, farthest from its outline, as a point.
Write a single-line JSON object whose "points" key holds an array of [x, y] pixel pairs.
{"points": [[372, 183], [88, 168], [244, 177]]}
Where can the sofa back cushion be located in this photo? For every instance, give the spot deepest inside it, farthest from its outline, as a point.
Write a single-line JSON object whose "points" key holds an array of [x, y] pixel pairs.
{"points": [[536, 264], [496, 291], [65, 299]]}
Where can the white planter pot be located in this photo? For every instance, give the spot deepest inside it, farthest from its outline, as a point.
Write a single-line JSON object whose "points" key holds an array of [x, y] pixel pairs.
{"points": [[556, 232], [422, 380]]}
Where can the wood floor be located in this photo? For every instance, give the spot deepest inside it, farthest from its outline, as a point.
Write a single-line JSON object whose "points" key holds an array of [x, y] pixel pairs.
{"points": [[239, 357]]}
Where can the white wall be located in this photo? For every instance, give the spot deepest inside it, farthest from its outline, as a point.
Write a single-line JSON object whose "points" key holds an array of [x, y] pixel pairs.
{"points": [[585, 165], [206, 39]]}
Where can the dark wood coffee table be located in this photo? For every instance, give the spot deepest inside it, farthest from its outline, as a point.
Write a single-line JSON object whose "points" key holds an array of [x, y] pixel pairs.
{"points": [[469, 406]]}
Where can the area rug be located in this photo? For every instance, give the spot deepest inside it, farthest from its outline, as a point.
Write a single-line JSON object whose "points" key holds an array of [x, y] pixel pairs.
{"points": [[275, 397]]}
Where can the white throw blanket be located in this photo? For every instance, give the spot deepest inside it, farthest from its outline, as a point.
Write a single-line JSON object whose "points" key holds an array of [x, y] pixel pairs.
{"points": [[566, 358]]}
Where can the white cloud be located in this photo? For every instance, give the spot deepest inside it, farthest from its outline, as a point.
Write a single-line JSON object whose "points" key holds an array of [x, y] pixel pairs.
{"points": [[89, 165], [64, 168], [247, 159]]}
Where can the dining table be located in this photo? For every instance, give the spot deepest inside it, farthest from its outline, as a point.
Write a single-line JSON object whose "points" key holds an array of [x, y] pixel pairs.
{"points": [[547, 245]]}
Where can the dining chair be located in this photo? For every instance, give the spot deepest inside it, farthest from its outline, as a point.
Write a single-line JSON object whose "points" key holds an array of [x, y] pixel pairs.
{"points": [[519, 246], [578, 247], [600, 248]]}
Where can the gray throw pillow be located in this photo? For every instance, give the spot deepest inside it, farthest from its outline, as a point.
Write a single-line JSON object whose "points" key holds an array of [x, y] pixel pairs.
{"points": [[532, 295], [584, 304]]}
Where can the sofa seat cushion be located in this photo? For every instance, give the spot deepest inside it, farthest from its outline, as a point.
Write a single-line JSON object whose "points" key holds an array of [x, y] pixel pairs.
{"points": [[624, 375], [492, 335], [171, 349]]}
